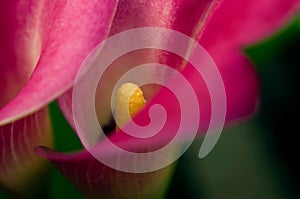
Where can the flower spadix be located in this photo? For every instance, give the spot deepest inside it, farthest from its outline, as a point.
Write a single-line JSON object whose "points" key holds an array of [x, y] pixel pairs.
{"points": [[129, 101]]}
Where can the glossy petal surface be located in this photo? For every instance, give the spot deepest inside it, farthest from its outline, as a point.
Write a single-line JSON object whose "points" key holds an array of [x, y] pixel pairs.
{"points": [[65, 32]]}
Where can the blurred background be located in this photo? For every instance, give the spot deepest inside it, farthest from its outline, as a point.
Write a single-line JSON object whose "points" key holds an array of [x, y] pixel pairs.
{"points": [[252, 160], [258, 158]]}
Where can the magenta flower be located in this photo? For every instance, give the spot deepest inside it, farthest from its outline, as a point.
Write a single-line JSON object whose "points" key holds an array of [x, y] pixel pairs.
{"points": [[43, 44]]}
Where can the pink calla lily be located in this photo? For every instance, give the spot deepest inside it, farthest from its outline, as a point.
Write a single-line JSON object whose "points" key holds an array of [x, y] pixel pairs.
{"points": [[44, 43]]}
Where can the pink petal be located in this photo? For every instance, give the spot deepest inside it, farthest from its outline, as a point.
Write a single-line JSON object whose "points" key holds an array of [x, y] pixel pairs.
{"points": [[239, 23], [20, 45], [65, 32], [188, 17], [20, 167], [234, 25], [99, 181]]}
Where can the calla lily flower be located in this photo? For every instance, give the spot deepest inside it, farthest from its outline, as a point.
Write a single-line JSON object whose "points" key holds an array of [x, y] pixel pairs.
{"points": [[43, 44]]}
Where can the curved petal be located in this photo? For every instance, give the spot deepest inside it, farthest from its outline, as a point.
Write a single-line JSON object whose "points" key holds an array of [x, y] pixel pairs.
{"points": [[99, 181], [20, 168], [239, 23], [67, 30], [234, 25], [188, 17], [20, 45]]}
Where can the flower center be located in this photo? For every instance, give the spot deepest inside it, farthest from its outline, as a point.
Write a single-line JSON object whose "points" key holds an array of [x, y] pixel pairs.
{"points": [[129, 101]]}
